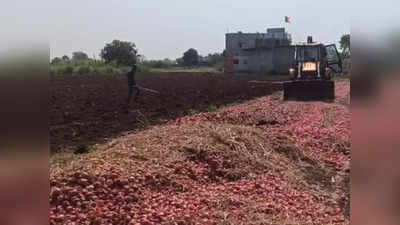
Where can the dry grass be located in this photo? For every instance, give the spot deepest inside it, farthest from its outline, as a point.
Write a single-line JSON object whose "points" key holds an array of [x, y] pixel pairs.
{"points": [[241, 152], [329, 116]]}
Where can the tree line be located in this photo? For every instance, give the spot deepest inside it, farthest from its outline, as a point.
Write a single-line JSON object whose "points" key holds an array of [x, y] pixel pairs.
{"points": [[345, 45], [117, 56]]}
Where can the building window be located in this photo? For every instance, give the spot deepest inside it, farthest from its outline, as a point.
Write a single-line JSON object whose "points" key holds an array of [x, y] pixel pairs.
{"points": [[240, 45], [236, 61]]}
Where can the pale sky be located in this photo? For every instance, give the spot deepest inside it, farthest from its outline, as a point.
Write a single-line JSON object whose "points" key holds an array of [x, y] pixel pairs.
{"points": [[167, 28]]}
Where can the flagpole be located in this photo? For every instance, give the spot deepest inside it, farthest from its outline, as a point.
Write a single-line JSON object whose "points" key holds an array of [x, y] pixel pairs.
{"points": [[287, 21]]}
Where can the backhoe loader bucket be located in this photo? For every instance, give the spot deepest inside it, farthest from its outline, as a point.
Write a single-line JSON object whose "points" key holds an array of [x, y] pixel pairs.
{"points": [[309, 90]]}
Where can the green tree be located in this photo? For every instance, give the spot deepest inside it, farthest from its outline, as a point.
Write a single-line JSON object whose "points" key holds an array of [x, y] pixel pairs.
{"points": [[215, 59], [191, 57], [179, 61], [169, 62], [140, 58], [56, 60], [159, 64], [345, 45], [65, 58], [123, 52], [165, 63], [77, 56]]}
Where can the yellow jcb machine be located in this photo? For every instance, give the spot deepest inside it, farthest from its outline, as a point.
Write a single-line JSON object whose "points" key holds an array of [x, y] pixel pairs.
{"points": [[311, 72]]}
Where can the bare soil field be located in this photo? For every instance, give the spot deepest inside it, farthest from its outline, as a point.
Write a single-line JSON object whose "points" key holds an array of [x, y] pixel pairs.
{"points": [[88, 109], [259, 161]]}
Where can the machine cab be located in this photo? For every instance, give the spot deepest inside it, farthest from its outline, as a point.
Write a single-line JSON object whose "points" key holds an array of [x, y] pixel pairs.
{"points": [[311, 72], [315, 61], [333, 58], [308, 60]]}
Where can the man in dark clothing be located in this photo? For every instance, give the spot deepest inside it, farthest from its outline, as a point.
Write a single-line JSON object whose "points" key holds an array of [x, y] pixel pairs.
{"points": [[132, 84]]}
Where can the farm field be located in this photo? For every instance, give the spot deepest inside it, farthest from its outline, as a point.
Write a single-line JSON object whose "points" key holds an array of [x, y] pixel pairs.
{"points": [[210, 149], [86, 110]]}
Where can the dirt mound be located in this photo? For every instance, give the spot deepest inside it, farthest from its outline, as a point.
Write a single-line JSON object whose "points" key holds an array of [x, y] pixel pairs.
{"points": [[229, 151]]}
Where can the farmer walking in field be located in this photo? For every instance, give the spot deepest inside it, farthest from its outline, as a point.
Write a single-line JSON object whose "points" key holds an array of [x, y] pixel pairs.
{"points": [[131, 75]]}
